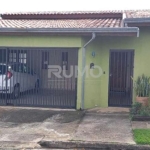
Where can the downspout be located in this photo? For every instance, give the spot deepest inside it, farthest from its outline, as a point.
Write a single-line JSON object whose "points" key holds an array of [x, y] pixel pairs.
{"points": [[83, 66], [138, 32]]}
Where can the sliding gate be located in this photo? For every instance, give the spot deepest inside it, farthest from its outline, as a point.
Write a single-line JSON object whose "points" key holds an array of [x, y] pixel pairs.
{"points": [[38, 77]]}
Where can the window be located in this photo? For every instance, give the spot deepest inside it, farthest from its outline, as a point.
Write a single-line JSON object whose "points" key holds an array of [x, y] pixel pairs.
{"points": [[12, 57], [23, 57], [45, 60], [15, 56], [65, 60]]}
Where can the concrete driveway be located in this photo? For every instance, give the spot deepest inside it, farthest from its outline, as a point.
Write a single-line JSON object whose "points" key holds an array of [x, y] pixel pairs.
{"points": [[31, 125], [25, 127]]}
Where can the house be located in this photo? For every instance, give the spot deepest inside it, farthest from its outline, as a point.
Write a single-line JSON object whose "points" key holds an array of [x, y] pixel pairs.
{"points": [[82, 59]]}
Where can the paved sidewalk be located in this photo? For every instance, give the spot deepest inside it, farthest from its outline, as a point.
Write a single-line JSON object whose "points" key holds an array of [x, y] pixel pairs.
{"points": [[140, 124], [105, 127]]}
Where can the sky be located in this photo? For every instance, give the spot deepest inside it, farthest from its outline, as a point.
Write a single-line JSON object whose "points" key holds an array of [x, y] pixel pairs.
{"points": [[71, 5]]}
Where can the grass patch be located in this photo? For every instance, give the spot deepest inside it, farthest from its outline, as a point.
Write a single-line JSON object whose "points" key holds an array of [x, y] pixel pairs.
{"points": [[142, 136]]}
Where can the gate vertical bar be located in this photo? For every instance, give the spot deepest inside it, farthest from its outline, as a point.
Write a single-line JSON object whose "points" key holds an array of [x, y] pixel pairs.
{"points": [[6, 75], [125, 74], [121, 69]]}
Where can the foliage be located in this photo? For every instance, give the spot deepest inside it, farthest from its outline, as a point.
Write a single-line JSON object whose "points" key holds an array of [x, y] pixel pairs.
{"points": [[142, 86], [142, 136], [135, 109], [139, 110], [145, 111]]}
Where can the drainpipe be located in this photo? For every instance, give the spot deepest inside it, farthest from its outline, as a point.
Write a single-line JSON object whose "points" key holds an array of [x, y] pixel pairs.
{"points": [[138, 32], [83, 66]]}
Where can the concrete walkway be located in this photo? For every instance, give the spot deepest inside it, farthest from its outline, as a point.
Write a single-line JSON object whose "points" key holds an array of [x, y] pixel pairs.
{"points": [[140, 124], [105, 126]]}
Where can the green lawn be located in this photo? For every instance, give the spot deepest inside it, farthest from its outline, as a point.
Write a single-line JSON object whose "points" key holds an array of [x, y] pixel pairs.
{"points": [[142, 136]]}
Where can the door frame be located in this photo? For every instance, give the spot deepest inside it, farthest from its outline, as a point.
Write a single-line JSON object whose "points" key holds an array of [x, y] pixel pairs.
{"points": [[132, 74]]}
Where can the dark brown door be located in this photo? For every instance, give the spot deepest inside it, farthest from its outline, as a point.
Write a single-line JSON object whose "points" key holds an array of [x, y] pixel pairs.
{"points": [[120, 73]]}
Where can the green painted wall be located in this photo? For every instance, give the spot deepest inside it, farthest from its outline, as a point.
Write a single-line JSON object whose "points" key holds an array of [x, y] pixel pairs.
{"points": [[97, 89], [47, 41], [40, 41]]}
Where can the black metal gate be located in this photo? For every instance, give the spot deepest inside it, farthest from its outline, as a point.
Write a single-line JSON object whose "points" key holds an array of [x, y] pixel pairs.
{"points": [[38, 77], [120, 81]]}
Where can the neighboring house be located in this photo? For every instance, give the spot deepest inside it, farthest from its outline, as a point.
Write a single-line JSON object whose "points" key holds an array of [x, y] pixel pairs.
{"points": [[112, 44]]}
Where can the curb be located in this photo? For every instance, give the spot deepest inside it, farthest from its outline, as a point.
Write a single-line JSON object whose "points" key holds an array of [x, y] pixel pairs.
{"points": [[91, 145], [17, 145]]}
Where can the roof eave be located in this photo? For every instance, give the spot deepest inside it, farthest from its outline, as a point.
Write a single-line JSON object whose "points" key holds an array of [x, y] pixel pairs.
{"points": [[132, 31], [63, 16], [137, 21]]}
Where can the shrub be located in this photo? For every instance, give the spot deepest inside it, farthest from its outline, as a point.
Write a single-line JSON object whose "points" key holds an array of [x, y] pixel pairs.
{"points": [[135, 109], [138, 109], [145, 111]]}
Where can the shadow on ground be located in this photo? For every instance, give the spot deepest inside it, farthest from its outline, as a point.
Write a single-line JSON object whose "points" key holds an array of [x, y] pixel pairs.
{"points": [[38, 115], [33, 125]]}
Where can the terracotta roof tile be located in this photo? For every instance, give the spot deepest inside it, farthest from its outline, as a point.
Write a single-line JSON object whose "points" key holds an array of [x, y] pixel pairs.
{"points": [[64, 15], [71, 23], [137, 13], [62, 12], [129, 13]]}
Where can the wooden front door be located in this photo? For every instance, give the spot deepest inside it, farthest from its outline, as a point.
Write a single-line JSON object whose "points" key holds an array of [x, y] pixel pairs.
{"points": [[120, 73]]}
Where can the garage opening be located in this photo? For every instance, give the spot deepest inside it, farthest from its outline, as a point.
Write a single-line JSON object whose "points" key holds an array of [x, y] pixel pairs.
{"points": [[42, 77]]}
